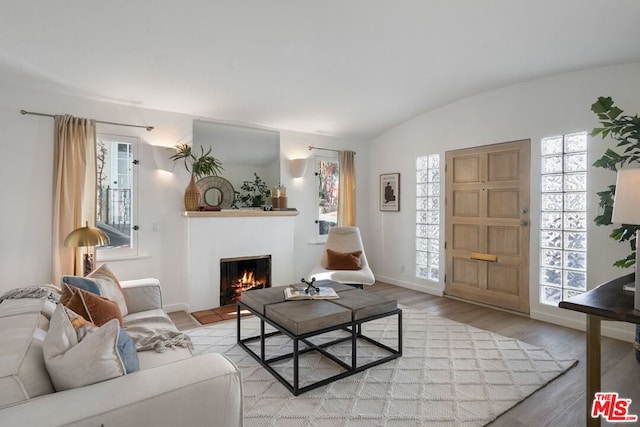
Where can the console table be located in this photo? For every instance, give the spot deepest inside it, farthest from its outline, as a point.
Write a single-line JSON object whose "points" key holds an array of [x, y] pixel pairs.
{"points": [[608, 301]]}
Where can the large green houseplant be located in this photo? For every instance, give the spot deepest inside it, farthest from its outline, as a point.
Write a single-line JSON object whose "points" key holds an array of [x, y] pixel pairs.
{"points": [[626, 130], [199, 166]]}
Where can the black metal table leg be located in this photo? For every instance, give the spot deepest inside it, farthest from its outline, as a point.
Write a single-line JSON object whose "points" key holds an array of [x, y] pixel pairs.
{"points": [[295, 366], [262, 356], [355, 333]]}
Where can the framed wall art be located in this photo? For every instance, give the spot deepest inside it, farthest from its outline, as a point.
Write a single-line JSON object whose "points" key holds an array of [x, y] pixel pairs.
{"points": [[390, 192]]}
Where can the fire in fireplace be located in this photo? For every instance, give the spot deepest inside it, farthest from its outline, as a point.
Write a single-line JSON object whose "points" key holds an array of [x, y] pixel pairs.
{"points": [[242, 274]]}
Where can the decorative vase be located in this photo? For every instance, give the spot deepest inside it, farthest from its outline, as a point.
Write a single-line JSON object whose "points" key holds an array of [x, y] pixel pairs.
{"points": [[192, 196]]}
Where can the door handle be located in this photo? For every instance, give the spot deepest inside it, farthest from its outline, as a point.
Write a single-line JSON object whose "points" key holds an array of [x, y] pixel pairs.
{"points": [[484, 257], [524, 222]]}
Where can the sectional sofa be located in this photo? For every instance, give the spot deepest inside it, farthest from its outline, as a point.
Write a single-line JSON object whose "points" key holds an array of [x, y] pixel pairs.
{"points": [[171, 388]]}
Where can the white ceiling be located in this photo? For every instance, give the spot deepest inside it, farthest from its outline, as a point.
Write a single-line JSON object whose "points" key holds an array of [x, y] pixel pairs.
{"points": [[342, 67]]}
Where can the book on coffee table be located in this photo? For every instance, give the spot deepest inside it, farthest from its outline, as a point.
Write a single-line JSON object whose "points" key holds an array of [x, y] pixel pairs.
{"points": [[293, 293]]}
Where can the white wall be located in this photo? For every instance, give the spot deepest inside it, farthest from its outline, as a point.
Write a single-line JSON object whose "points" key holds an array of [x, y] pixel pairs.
{"points": [[303, 192], [26, 190], [533, 110]]}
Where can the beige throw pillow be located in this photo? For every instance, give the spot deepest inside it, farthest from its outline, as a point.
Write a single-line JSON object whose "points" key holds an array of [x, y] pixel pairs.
{"points": [[75, 363], [109, 286]]}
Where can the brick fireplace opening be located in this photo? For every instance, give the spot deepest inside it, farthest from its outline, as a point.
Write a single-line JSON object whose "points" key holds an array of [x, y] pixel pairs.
{"points": [[243, 274]]}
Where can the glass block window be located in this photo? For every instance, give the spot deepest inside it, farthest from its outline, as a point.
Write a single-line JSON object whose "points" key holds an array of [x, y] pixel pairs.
{"points": [[428, 217], [563, 217]]}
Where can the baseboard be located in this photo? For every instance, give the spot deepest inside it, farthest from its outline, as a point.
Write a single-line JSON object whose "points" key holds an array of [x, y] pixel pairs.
{"points": [[432, 290], [170, 308], [618, 330]]}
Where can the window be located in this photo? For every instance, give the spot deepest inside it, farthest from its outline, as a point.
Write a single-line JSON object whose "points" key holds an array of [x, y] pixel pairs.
{"points": [[428, 217], [328, 185], [563, 217], [116, 194]]}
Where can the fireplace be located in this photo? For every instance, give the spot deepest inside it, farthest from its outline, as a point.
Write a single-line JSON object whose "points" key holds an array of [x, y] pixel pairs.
{"points": [[242, 274]]}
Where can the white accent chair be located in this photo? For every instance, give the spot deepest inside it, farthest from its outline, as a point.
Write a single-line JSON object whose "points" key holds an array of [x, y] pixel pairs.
{"points": [[344, 239]]}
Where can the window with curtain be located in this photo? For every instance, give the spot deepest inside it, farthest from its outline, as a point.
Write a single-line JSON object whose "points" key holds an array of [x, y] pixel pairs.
{"points": [[116, 194], [563, 217], [328, 186]]}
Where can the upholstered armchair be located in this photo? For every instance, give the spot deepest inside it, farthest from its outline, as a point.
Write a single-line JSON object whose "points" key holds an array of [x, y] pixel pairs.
{"points": [[343, 259]]}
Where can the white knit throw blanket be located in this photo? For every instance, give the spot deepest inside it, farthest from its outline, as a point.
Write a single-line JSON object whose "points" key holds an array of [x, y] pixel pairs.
{"points": [[156, 333], [42, 291]]}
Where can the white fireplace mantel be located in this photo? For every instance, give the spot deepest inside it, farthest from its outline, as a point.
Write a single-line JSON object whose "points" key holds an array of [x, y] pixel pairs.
{"points": [[212, 237], [238, 213]]}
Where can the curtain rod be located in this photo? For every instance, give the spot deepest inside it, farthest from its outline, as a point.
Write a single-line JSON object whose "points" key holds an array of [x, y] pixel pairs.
{"points": [[311, 147], [148, 128]]}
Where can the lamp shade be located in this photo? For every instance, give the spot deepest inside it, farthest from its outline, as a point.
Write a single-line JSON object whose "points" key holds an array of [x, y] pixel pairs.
{"points": [[298, 167], [626, 203], [86, 236], [161, 157]]}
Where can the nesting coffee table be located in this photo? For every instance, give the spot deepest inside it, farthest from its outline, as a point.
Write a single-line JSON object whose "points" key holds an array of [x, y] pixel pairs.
{"points": [[304, 319]]}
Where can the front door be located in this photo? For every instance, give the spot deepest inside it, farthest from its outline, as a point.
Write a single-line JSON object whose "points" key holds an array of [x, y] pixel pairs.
{"points": [[487, 224]]}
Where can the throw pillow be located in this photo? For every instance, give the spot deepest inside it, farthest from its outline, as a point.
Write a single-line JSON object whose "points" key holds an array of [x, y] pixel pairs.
{"points": [[343, 260], [75, 363], [96, 309], [82, 283], [128, 353], [126, 347], [109, 286]]}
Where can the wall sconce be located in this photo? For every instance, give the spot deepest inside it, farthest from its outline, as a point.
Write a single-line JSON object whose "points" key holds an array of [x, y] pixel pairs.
{"points": [[161, 158], [626, 210], [298, 167], [86, 237]]}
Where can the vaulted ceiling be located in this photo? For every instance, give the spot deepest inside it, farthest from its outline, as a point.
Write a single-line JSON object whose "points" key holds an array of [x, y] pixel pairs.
{"points": [[343, 67]]}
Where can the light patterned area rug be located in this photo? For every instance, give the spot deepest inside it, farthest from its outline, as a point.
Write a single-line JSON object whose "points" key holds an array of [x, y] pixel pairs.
{"points": [[450, 374]]}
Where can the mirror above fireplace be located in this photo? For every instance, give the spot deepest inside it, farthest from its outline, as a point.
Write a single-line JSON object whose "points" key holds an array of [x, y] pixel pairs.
{"points": [[242, 151]]}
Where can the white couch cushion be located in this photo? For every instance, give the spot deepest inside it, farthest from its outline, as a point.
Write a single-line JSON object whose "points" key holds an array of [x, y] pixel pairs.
{"points": [[142, 294], [23, 374], [72, 363], [148, 314], [150, 358], [11, 307]]}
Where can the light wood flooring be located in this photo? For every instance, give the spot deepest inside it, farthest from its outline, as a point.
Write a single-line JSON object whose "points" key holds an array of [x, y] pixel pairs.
{"points": [[560, 403]]}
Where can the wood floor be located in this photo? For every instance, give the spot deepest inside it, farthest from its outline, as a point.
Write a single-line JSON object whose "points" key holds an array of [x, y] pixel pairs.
{"points": [[562, 402]]}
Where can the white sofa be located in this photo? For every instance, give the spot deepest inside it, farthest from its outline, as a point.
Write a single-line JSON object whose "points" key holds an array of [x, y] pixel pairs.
{"points": [[172, 388]]}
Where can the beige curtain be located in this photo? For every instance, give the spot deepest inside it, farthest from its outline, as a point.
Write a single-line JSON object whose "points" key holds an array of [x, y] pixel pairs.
{"points": [[74, 180], [347, 193]]}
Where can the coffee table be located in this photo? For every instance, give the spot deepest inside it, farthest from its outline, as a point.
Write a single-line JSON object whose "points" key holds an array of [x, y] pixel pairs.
{"points": [[305, 319]]}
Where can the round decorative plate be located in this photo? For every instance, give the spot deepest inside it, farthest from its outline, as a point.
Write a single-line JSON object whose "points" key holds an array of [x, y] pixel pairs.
{"points": [[216, 191]]}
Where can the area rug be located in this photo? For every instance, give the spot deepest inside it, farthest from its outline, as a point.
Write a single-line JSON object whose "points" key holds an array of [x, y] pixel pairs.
{"points": [[450, 374]]}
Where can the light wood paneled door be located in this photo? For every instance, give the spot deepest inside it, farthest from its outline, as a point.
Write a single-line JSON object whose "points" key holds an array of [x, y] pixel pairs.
{"points": [[487, 224]]}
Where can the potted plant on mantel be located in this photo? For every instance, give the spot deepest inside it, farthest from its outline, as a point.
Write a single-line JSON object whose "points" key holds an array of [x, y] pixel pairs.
{"points": [[199, 166], [256, 192]]}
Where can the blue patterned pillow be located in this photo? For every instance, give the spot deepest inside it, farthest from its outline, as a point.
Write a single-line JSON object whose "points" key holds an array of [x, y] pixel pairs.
{"points": [[82, 283], [127, 350]]}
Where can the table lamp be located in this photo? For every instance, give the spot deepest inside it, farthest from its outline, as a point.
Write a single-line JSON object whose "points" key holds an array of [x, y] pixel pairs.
{"points": [[626, 210], [86, 237]]}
